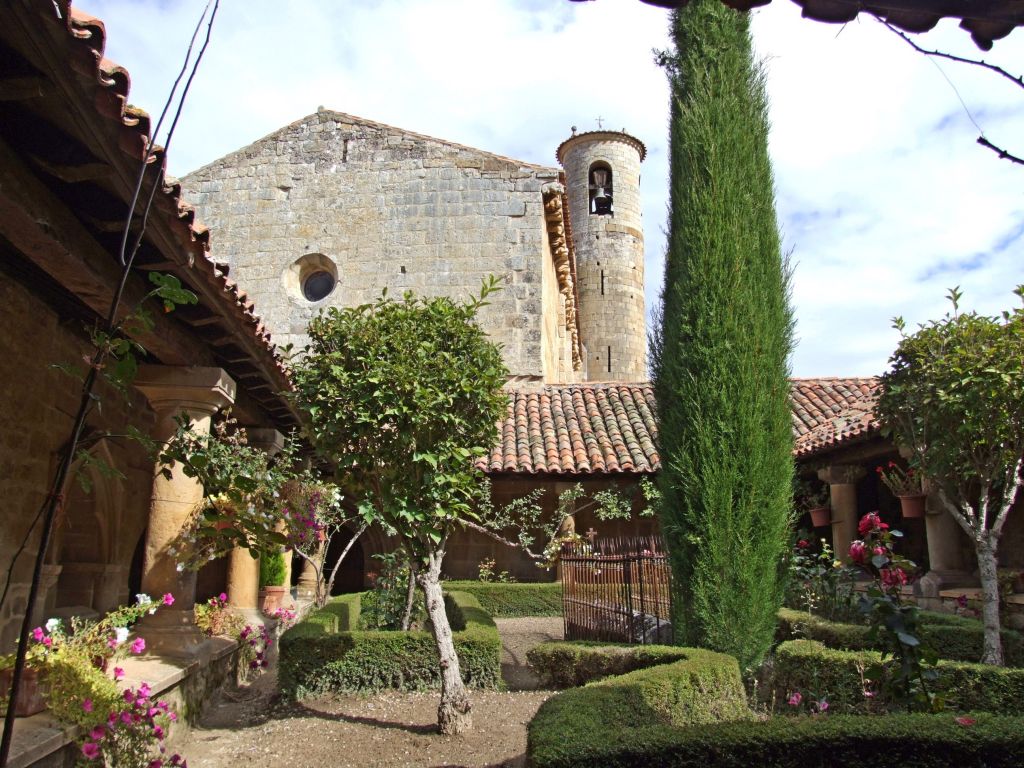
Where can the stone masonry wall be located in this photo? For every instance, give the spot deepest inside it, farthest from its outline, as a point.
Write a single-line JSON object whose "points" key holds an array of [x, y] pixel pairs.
{"points": [[610, 256], [100, 529], [383, 208]]}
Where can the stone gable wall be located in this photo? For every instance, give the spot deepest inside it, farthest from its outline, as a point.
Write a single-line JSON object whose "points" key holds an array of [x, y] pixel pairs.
{"points": [[390, 210]]}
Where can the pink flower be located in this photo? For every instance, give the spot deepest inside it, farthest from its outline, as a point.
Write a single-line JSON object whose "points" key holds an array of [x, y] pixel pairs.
{"points": [[139, 645], [795, 699], [128, 696], [879, 551], [966, 722], [118, 673], [144, 690], [126, 717], [91, 750], [172, 716], [87, 705], [223, 597], [48, 642], [871, 522], [38, 634], [168, 599], [97, 733], [823, 705], [158, 732], [893, 577], [158, 763], [858, 552]]}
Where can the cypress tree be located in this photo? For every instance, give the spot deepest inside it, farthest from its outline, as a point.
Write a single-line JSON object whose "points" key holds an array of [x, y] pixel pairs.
{"points": [[720, 355]]}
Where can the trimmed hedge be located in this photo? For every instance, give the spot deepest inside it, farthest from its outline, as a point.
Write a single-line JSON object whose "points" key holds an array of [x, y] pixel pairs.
{"points": [[510, 600], [895, 741], [325, 653], [837, 675], [954, 637], [703, 687], [571, 664]]}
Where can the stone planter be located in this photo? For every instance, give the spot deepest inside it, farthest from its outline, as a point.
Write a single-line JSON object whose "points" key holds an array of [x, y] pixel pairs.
{"points": [[31, 694], [912, 505], [270, 598], [821, 516]]}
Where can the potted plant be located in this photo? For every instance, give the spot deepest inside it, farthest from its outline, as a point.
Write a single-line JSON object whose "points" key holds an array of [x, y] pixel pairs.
{"points": [[272, 573], [906, 486], [813, 498]]}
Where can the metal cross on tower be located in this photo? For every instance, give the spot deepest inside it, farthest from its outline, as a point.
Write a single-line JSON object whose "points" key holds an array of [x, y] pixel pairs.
{"points": [[599, 121]]}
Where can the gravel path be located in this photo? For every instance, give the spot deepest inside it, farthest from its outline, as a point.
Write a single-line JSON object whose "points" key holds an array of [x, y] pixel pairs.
{"points": [[253, 727]]}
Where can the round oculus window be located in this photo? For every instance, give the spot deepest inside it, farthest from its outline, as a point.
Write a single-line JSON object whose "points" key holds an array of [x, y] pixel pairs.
{"points": [[318, 285]]}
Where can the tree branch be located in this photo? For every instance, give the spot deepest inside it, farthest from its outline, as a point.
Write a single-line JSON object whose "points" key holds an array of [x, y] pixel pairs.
{"points": [[1003, 154], [501, 539], [1017, 80]]}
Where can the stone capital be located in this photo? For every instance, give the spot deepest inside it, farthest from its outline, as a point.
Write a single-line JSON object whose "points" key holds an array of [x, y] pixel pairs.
{"points": [[196, 390], [270, 441], [841, 474]]}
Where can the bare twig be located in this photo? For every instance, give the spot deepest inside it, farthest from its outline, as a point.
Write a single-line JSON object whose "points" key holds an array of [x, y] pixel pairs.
{"points": [[1017, 80], [1002, 153], [501, 539]]}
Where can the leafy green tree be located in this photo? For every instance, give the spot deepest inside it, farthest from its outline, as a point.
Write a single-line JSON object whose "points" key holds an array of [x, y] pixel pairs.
{"points": [[954, 394], [720, 354], [401, 397]]}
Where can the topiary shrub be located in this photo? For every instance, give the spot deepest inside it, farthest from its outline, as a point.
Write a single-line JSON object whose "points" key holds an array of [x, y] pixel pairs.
{"points": [[571, 664], [272, 569], [838, 677], [953, 637], [511, 600], [840, 741], [326, 653]]}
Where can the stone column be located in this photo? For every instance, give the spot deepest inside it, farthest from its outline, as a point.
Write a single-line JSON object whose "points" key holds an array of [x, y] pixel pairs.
{"points": [[198, 393], [243, 579], [947, 568], [306, 588], [842, 481]]}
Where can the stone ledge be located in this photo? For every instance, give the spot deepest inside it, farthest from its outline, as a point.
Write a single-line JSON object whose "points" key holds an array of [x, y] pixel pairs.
{"points": [[40, 739]]}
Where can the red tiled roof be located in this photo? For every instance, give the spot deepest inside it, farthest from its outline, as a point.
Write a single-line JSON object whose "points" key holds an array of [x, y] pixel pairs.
{"points": [[830, 411], [77, 42], [986, 20], [606, 428], [578, 429]]}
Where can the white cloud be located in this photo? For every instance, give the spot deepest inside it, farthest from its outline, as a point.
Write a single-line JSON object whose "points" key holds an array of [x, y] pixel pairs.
{"points": [[884, 197]]}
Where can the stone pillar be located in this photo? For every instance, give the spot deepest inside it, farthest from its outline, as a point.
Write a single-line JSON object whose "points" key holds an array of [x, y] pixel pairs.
{"points": [[842, 481], [243, 579], [307, 585], [947, 569], [198, 393]]}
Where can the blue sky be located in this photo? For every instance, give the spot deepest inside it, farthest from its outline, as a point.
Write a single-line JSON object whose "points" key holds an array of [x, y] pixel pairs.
{"points": [[885, 200]]}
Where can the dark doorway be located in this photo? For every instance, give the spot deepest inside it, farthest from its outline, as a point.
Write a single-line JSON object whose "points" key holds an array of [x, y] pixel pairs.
{"points": [[350, 574], [135, 570]]}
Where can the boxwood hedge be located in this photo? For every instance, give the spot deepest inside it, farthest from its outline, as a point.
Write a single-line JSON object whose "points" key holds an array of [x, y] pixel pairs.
{"points": [[570, 664], [516, 599], [326, 653], [954, 637], [838, 676], [834, 741]]}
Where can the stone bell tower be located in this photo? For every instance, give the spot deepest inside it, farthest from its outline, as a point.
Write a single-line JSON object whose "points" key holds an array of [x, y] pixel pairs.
{"points": [[602, 174]]}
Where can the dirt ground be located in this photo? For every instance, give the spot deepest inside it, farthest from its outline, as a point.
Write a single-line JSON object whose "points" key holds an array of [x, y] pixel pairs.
{"points": [[252, 726]]}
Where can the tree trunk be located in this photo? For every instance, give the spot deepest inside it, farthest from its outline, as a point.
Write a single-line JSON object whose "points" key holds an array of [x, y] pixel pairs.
{"points": [[410, 598], [453, 713], [985, 548]]}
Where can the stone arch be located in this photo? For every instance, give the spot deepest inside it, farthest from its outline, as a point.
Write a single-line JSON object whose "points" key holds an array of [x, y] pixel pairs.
{"points": [[82, 550]]}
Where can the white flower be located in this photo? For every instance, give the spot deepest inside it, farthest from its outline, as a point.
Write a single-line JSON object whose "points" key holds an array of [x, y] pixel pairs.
{"points": [[120, 634], [143, 599], [52, 625], [179, 567]]}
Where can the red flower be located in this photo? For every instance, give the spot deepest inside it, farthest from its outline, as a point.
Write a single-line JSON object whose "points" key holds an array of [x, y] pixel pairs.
{"points": [[803, 544], [858, 552], [967, 722], [893, 577], [871, 522]]}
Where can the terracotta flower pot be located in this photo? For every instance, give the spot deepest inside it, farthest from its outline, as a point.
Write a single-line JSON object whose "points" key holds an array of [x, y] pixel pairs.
{"points": [[821, 516], [270, 598], [912, 505], [31, 694]]}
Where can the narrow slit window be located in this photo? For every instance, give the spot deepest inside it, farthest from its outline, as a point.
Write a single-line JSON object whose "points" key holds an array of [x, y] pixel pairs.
{"points": [[602, 282], [609, 358]]}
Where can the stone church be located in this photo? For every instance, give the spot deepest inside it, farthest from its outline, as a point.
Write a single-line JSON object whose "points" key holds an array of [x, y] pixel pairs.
{"points": [[332, 209]]}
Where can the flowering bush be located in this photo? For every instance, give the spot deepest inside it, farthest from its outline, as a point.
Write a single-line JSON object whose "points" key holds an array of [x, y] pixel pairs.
{"points": [[486, 573], [215, 618], [801, 701], [286, 618], [907, 667], [255, 648], [902, 482], [132, 734], [819, 583]]}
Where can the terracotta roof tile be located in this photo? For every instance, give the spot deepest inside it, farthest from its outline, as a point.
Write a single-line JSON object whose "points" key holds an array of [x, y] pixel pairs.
{"points": [[580, 429]]}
